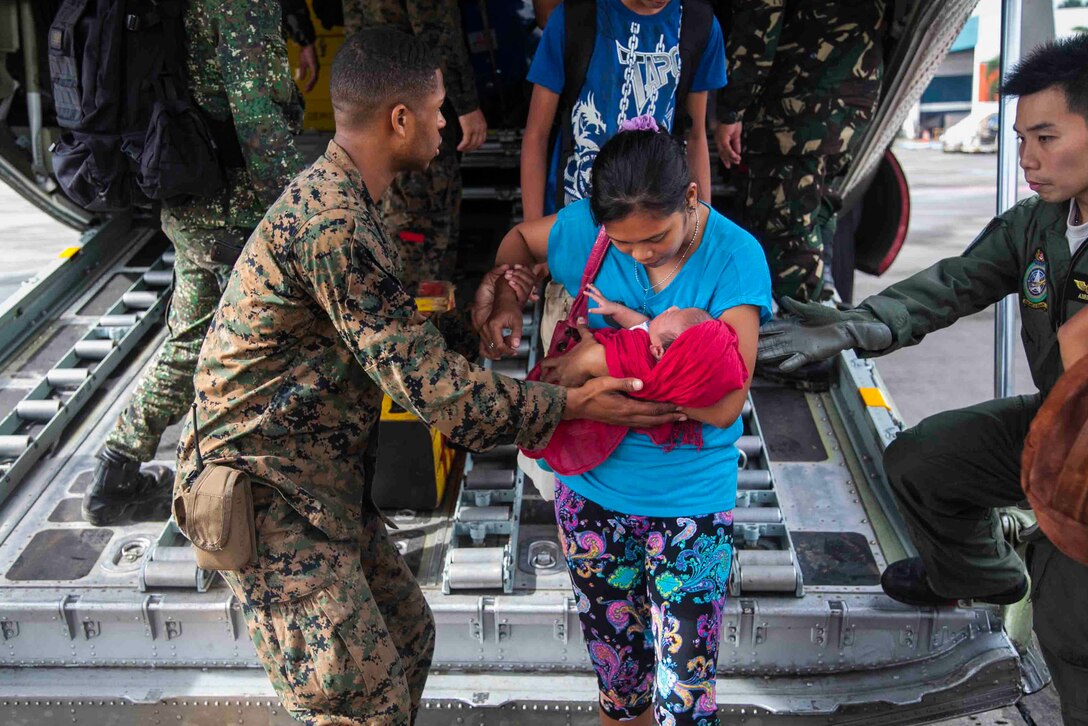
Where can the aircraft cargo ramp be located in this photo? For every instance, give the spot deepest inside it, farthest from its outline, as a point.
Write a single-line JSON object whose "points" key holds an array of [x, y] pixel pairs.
{"points": [[116, 625]]}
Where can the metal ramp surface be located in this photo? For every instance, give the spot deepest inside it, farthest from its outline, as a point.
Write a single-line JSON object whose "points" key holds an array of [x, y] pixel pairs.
{"points": [[116, 624]]}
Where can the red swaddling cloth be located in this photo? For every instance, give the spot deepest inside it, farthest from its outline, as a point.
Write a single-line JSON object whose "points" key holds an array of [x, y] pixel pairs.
{"points": [[700, 367]]}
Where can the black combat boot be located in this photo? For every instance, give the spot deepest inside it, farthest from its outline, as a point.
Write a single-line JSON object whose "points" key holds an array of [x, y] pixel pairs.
{"points": [[120, 493], [906, 581]]}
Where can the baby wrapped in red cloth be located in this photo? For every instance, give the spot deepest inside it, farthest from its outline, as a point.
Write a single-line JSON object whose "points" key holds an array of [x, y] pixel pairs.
{"points": [[682, 356]]}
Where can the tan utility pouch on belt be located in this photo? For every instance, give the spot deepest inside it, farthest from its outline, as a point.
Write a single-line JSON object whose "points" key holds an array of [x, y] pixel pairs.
{"points": [[216, 514]]}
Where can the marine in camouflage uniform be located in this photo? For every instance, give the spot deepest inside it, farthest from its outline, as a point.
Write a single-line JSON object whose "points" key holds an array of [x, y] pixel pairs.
{"points": [[313, 326], [422, 209], [240, 79], [804, 79]]}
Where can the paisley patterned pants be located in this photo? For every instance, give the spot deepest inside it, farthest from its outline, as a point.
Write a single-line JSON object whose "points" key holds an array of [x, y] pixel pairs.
{"points": [[650, 592]]}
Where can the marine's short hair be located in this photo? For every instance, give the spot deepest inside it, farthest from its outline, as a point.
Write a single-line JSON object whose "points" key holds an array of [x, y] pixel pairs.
{"points": [[1062, 63], [376, 68]]}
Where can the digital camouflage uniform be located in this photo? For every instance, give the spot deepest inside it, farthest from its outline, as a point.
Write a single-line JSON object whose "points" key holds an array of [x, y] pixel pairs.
{"points": [[953, 469], [422, 208], [238, 71], [313, 326], [804, 78]]}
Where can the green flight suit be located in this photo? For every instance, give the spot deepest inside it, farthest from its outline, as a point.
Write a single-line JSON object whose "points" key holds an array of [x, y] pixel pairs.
{"points": [[950, 471]]}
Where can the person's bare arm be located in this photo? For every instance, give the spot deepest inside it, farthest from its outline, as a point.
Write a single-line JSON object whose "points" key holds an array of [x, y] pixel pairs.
{"points": [[527, 245], [1073, 339], [698, 149], [534, 151], [619, 312], [745, 320]]}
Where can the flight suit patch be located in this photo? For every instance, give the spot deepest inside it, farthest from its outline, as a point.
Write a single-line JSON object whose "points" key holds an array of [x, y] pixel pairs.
{"points": [[1080, 288], [1035, 283]]}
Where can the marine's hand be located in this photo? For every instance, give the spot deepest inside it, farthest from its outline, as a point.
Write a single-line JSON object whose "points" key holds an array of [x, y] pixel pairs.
{"points": [[308, 68], [603, 399], [495, 341], [473, 130], [815, 332], [727, 139]]}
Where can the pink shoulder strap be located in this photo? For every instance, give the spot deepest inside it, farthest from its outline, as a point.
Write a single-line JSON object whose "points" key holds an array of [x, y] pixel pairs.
{"points": [[593, 265]]}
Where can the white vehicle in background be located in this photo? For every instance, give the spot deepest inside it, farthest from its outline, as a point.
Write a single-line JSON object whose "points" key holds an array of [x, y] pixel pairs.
{"points": [[975, 134]]}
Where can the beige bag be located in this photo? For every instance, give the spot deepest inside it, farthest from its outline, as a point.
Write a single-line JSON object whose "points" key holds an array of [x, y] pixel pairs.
{"points": [[557, 302], [216, 514]]}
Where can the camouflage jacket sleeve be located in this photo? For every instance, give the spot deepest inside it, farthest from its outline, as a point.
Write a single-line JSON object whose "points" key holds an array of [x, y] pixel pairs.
{"points": [[438, 22], [257, 79], [950, 289], [347, 270], [754, 33], [297, 23]]}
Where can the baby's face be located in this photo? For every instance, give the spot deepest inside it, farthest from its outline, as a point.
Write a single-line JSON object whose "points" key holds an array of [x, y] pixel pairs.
{"points": [[667, 327]]}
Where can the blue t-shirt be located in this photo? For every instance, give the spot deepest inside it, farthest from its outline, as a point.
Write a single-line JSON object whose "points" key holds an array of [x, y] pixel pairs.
{"points": [[726, 270], [634, 70]]}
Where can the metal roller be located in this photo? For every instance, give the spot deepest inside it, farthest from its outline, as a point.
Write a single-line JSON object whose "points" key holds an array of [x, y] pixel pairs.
{"points": [[506, 450], [118, 321], [170, 572], [159, 278], [768, 578], [139, 299], [478, 554], [475, 576], [526, 321], [484, 514], [753, 479], [757, 515], [490, 479], [67, 377], [93, 349], [750, 445], [746, 409], [13, 446], [781, 558], [169, 257], [510, 367], [37, 410], [523, 346]]}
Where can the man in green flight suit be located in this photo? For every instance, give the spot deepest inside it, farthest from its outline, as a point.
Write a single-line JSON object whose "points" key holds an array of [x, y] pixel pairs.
{"points": [[421, 209], [952, 469], [313, 328], [240, 79]]}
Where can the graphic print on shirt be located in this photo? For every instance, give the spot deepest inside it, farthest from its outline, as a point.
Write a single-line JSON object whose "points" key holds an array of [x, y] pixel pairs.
{"points": [[647, 75]]}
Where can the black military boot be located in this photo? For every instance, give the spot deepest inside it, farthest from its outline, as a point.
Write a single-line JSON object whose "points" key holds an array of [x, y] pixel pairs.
{"points": [[906, 581], [120, 493]]}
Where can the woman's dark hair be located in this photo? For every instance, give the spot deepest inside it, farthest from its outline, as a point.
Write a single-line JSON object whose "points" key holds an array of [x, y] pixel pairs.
{"points": [[639, 171]]}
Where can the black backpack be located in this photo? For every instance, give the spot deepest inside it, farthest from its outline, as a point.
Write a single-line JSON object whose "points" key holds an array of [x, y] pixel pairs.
{"points": [[581, 35], [133, 135]]}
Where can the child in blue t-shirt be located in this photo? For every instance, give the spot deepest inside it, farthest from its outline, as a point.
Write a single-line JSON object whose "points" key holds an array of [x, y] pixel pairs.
{"points": [[634, 71]]}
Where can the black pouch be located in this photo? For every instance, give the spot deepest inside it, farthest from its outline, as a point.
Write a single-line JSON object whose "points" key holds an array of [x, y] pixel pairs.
{"points": [[178, 158]]}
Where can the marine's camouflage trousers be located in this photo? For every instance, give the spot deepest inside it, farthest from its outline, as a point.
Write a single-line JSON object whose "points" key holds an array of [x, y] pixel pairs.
{"points": [[422, 210], [165, 391], [792, 162], [353, 651]]}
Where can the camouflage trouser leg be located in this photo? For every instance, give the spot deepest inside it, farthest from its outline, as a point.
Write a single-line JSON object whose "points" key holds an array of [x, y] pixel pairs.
{"points": [[421, 209], [354, 652], [792, 162], [165, 391]]}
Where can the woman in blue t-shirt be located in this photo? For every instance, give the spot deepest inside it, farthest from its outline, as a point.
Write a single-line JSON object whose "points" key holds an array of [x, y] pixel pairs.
{"points": [[648, 534]]}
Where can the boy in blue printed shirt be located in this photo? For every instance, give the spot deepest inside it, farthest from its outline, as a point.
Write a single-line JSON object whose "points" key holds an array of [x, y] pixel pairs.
{"points": [[634, 70]]}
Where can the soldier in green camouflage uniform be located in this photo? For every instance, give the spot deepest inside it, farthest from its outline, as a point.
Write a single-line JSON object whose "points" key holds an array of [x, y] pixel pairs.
{"points": [[313, 327], [804, 78], [240, 79], [422, 209]]}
